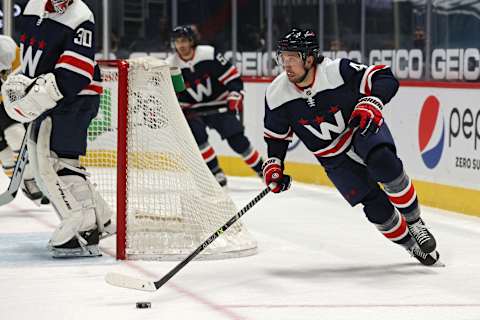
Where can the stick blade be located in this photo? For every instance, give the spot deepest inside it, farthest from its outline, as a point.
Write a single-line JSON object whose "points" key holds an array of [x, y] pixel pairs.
{"points": [[123, 281], [6, 198]]}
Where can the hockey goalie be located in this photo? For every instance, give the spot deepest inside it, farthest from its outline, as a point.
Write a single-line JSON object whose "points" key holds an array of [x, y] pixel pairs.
{"points": [[57, 93]]}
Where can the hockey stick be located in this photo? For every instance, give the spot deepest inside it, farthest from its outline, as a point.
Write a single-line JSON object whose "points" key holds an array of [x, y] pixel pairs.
{"points": [[16, 180], [206, 111], [120, 280]]}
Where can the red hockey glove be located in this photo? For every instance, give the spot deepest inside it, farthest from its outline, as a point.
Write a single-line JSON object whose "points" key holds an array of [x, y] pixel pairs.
{"points": [[274, 177], [367, 115], [235, 102]]}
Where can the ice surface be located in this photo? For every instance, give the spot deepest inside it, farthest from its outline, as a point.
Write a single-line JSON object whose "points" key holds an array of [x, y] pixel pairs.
{"points": [[318, 259]]}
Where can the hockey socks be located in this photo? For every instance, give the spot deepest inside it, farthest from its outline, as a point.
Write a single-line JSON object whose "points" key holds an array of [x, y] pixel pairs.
{"points": [[253, 159]]}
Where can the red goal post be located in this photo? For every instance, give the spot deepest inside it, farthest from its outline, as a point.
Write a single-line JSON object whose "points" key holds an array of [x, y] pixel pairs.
{"points": [[144, 161]]}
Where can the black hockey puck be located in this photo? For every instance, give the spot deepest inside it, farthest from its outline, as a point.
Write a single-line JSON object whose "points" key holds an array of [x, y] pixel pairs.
{"points": [[144, 305]]}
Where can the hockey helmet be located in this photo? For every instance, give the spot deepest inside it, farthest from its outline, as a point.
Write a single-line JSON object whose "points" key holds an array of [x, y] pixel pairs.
{"points": [[303, 41], [60, 5], [185, 31]]}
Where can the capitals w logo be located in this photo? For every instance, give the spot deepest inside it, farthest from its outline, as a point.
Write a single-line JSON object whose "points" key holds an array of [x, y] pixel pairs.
{"points": [[202, 90], [29, 61], [327, 128]]}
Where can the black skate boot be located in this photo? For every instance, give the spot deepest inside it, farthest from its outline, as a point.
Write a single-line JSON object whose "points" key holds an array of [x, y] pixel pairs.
{"points": [[220, 177], [422, 236], [427, 259], [88, 247], [31, 191]]}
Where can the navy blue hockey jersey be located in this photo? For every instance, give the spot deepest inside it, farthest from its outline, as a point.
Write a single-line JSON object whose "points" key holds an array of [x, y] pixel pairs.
{"points": [[319, 114], [63, 44], [208, 77]]}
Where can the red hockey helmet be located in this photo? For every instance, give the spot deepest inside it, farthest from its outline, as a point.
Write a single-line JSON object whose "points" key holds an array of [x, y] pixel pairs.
{"points": [[60, 5]]}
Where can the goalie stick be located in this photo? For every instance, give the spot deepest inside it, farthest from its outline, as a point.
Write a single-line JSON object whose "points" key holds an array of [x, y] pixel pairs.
{"points": [[22, 160], [124, 281]]}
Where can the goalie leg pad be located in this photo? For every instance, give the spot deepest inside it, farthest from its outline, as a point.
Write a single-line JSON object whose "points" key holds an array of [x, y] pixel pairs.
{"points": [[79, 206]]}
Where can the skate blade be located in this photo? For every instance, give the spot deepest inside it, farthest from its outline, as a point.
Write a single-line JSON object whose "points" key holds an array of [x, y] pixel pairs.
{"points": [[438, 263], [87, 251]]}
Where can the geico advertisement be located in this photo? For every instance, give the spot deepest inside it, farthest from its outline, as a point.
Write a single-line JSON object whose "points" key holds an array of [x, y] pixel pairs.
{"points": [[437, 132], [445, 64]]}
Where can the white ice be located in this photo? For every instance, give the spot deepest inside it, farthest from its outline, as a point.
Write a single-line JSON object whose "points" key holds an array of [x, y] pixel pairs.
{"points": [[318, 259]]}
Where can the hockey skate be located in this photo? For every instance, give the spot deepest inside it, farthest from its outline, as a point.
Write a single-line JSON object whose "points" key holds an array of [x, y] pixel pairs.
{"points": [[220, 177], [32, 192], [427, 259], [422, 236], [84, 244]]}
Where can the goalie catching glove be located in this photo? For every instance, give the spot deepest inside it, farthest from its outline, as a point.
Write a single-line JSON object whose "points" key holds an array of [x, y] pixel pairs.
{"points": [[274, 177], [235, 102], [26, 99], [367, 115]]}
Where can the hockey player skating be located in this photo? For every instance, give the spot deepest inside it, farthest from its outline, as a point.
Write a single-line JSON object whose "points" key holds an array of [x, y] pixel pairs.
{"points": [[58, 93], [335, 108], [213, 86]]}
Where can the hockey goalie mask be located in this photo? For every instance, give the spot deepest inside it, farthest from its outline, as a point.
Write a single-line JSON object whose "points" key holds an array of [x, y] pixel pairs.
{"points": [[59, 6]]}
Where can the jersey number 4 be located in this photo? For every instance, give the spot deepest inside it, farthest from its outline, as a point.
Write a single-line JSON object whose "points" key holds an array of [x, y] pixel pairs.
{"points": [[84, 38], [358, 67]]}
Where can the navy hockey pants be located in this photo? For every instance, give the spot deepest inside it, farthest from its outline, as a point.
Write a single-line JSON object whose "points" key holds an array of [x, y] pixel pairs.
{"points": [[226, 124], [353, 179], [70, 121]]}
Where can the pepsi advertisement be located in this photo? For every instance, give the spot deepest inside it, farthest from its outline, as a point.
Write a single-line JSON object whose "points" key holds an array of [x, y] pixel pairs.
{"points": [[437, 131]]}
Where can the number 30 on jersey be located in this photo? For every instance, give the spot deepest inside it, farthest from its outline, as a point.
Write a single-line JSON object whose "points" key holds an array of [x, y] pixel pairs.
{"points": [[84, 38]]}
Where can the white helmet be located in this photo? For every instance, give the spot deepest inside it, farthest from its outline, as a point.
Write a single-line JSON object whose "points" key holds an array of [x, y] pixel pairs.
{"points": [[8, 51]]}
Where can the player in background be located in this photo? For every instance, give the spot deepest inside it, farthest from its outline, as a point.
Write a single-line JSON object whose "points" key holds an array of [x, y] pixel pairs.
{"points": [[213, 96], [59, 91], [335, 108], [11, 131]]}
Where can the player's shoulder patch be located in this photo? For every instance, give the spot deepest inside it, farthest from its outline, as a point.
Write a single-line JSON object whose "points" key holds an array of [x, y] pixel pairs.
{"points": [[204, 53], [76, 14], [34, 8], [331, 70], [280, 91]]}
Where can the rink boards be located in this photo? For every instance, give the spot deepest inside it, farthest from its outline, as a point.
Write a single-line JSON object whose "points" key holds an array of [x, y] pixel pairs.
{"points": [[436, 127]]}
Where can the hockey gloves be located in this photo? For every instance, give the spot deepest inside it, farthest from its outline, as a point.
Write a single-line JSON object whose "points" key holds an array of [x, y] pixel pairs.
{"points": [[274, 177], [367, 115], [235, 102], [26, 99]]}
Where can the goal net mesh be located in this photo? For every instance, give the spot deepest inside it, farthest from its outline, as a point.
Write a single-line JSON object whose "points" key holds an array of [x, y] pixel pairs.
{"points": [[170, 200]]}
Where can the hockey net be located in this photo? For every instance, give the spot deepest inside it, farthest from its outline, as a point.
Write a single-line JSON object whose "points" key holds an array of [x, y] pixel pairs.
{"points": [[144, 161]]}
